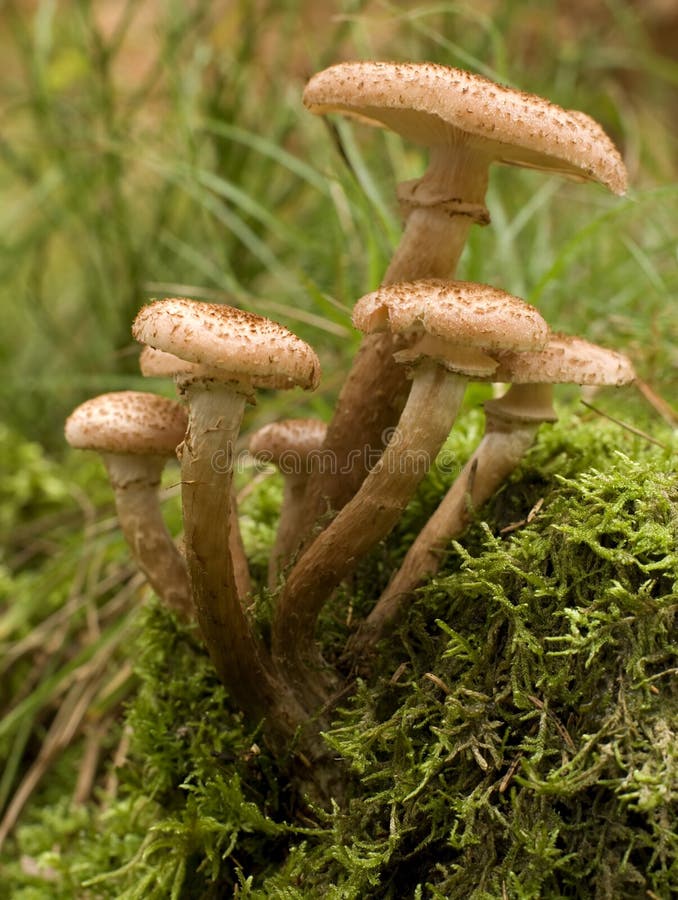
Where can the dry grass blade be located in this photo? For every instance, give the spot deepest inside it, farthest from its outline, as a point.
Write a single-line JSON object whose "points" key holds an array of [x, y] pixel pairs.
{"points": [[624, 425], [119, 757], [665, 410], [88, 681], [89, 764], [54, 628], [560, 728]]}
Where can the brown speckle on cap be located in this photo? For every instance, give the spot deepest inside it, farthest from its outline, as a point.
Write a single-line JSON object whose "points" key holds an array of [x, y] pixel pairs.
{"points": [[239, 344], [127, 422], [460, 312], [566, 360]]}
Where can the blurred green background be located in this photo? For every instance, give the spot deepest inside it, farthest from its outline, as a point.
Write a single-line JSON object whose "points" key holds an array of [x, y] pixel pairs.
{"points": [[161, 148]]}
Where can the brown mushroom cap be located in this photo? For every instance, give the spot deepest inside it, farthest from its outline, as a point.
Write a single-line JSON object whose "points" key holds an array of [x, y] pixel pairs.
{"points": [[127, 422], [456, 312], [300, 436], [241, 345], [432, 105], [566, 360]]}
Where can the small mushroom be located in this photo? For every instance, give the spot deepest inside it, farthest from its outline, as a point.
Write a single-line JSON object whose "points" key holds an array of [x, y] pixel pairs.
{"points": [[454, 326], [512, 422], [235, 351], [159, 364], [466, 122], [291, 445], [135, 433]]}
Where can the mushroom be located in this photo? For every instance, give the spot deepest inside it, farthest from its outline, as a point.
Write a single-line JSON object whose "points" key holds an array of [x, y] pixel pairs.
{"points": [[135, 433], [159, 364], [467, 122], [512, 422], [291, 446], [235, 351], [455, 325]]}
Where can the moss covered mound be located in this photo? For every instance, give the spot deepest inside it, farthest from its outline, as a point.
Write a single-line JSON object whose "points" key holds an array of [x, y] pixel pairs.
{"points": [[518, 739]]}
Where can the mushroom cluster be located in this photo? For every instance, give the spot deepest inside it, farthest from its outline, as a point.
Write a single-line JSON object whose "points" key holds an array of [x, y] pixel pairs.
{"points": [[346, 485]]}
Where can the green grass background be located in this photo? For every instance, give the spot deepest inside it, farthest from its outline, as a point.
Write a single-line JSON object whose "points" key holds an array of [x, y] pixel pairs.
{"points": [[151, 149]]}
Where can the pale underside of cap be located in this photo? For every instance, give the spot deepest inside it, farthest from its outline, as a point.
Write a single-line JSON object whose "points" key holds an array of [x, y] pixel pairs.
{"points": [[566, 360], [461, 312], [300, 436], [241, 345], [127, 422], [463, 359], [433, 105], [159, 364]]}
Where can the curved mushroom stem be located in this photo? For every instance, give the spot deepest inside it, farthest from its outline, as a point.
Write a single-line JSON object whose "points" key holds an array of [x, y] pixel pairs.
{"points": [[431, 409], [375, 390], [241, 660], [215, 415], [135, 480], [512, 422]]}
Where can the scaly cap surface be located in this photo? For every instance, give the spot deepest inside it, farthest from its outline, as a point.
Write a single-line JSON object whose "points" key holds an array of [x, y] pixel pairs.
{"points": [[127, 422], [460, 312], [239, 344], [566, 360]]}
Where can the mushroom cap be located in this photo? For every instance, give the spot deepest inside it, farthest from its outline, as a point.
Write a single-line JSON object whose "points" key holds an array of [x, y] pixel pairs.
{"points": [[233, 344], [457, 313], [127, 422], [566, 360], [431, 104], [287, 439]]}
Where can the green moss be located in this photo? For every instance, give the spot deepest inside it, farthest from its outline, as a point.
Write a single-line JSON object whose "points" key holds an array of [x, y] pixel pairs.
{"points": [[517, 740]]}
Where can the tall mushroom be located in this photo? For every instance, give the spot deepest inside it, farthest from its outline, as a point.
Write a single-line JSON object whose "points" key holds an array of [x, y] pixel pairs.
{"points": [[135, 433], [235, 351], [467, 122], [291, 445], [512, 422], [453, 325]]}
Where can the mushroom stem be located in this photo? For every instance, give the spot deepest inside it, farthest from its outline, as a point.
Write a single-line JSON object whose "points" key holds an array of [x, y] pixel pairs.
{"points": [[135, 480], [440, 207], [215, 414], [429, 414], [241, 660], [290, 525], [510, 430], [241, 568], [375, 390]]}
